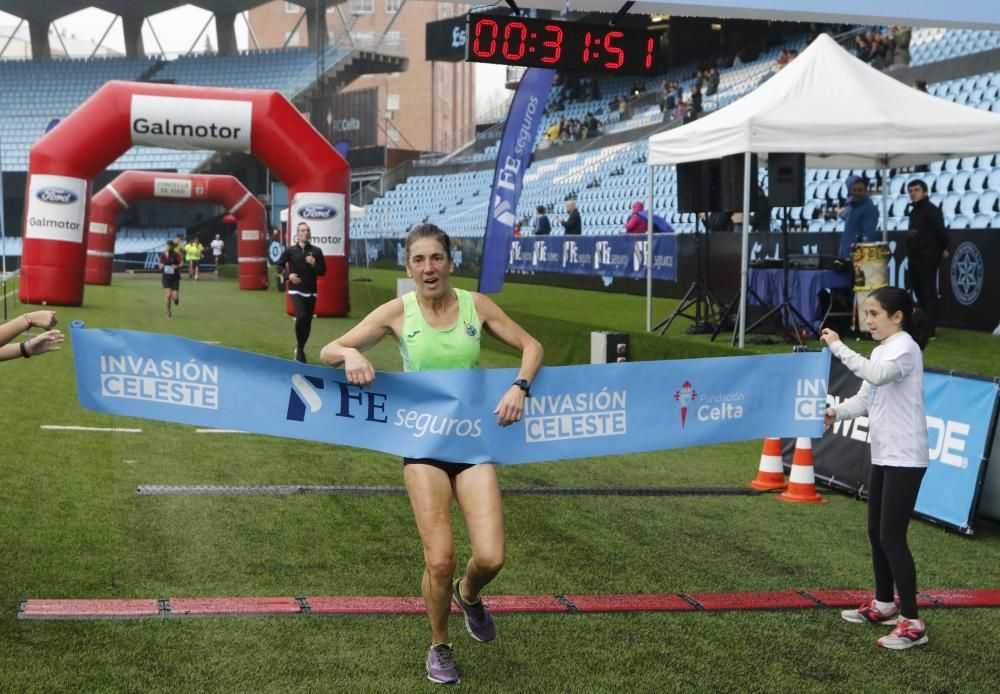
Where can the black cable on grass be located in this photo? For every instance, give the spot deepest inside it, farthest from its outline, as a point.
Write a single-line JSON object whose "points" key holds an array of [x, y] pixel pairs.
{"points": [[356, 490]]}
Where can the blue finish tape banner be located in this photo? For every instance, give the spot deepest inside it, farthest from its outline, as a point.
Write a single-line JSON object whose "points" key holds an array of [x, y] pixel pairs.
{"points": [[513, 159], [624, 255], [959, 427], [573, 411]]}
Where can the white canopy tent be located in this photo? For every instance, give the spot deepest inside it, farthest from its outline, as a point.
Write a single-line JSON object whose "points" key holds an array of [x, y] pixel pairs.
{"points": [[841, 113]]}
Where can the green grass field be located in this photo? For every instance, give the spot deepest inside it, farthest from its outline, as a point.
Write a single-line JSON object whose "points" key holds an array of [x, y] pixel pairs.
{"points": [[73, 527]]}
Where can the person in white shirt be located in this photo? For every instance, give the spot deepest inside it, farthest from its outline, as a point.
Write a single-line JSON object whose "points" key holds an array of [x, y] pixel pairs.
{"points": [[217, 246], [892, 396]]}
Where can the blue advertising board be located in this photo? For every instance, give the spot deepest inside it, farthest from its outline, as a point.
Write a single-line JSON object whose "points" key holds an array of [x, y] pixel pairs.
{"points": [[623, 255]]}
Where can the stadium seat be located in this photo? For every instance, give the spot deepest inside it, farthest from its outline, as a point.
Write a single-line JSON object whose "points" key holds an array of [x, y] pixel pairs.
{"points": [[949, 206], [981, 221], [988, 201], [968, 204]]}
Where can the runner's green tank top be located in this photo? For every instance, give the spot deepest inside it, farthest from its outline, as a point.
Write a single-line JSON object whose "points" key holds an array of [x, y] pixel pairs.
{"points": [[424, 348]]}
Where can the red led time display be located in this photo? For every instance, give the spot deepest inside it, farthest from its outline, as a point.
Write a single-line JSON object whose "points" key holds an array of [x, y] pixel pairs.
{"points": [[565, 46]]}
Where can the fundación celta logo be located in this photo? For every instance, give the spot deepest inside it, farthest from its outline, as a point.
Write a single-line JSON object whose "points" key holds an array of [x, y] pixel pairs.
{"points": [[685, 395]]}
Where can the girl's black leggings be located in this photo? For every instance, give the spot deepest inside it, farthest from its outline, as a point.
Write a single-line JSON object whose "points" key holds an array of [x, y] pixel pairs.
{"points": [[892, 494]]}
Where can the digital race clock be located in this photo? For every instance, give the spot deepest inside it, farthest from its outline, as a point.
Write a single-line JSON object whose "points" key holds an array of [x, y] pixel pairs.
{"points": [[564, 46]]}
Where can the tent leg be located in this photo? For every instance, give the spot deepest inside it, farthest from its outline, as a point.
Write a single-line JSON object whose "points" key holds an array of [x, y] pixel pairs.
{"points": [[649, 254], [744, 257]]}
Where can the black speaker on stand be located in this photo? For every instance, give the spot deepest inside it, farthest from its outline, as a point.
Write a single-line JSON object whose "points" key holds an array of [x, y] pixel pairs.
{"points": [[786, 180], [732, 199], [699, 190]]}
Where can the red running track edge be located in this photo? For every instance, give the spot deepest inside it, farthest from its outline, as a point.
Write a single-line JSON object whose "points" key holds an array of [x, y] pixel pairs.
{"points": [[89, 609], [186, 607], [355, 605], [649, 602]]}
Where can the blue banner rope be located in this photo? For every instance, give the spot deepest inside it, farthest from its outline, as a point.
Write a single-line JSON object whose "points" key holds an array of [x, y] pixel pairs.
{"points": [[573, 411]]}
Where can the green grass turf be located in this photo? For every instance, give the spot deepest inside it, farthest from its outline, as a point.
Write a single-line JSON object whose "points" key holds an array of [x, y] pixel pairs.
{"points": [[73, 527]]}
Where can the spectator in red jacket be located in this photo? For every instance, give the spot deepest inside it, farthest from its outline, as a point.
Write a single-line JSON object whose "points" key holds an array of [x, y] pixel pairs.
{"points": [[636, 224]]}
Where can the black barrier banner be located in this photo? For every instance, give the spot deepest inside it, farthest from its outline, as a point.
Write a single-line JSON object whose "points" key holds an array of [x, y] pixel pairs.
{"points": [[969, 281], [961, 422]]}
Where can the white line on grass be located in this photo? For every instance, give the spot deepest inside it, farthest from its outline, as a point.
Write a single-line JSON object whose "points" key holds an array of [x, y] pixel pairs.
{"points": [[57, 427]]}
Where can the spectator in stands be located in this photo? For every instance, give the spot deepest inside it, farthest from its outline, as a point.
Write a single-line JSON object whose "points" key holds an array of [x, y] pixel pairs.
{"points": [[926, 246], [862, 48], [217, 245], [552, 133], [695, 101], [171, 264], [920, 86], [636, 224], [193, 251], [591, 127], [881, 52], [541, 226], [783, 58], [666, 97], [572, 224], [623, 110], [423, 322], [900, 38], [860, 217], [712, 82], [305, 263], [47, 341], [613, 104], [681, 111]]}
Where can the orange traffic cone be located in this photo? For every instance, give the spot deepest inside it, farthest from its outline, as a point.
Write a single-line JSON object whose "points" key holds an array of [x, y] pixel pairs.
{"points": [[770, 473], [801, 481]]}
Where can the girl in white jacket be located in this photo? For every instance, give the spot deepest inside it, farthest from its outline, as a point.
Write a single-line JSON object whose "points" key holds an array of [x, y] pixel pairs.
{"points": [[892, 396]]}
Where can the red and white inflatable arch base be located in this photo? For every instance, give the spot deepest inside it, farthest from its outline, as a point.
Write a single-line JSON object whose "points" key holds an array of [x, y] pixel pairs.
{"points": [[119, 115], [247, 211]]}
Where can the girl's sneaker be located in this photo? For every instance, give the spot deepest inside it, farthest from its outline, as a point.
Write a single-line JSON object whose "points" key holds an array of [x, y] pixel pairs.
{"points": [[869, 614], [905, 635]]}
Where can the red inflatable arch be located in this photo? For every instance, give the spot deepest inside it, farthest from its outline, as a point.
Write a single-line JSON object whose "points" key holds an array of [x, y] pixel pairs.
{"points": [[241, 206], [119, 115]]}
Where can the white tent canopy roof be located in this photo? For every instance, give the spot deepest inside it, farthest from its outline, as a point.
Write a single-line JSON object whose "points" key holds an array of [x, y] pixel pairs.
{"points": [[838, 110]]}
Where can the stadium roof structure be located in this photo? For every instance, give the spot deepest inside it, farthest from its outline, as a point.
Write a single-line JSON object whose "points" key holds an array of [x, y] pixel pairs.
{"points": [[41, 13], [841, 112], [983, 15]]}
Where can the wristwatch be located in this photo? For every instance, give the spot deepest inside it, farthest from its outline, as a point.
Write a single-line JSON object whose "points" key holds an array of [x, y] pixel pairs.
{"points": [[523, 384]]}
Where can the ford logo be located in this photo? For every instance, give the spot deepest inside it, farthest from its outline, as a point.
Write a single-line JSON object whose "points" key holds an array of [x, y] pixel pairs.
{"points": [[317, 211], [60, 196]]}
